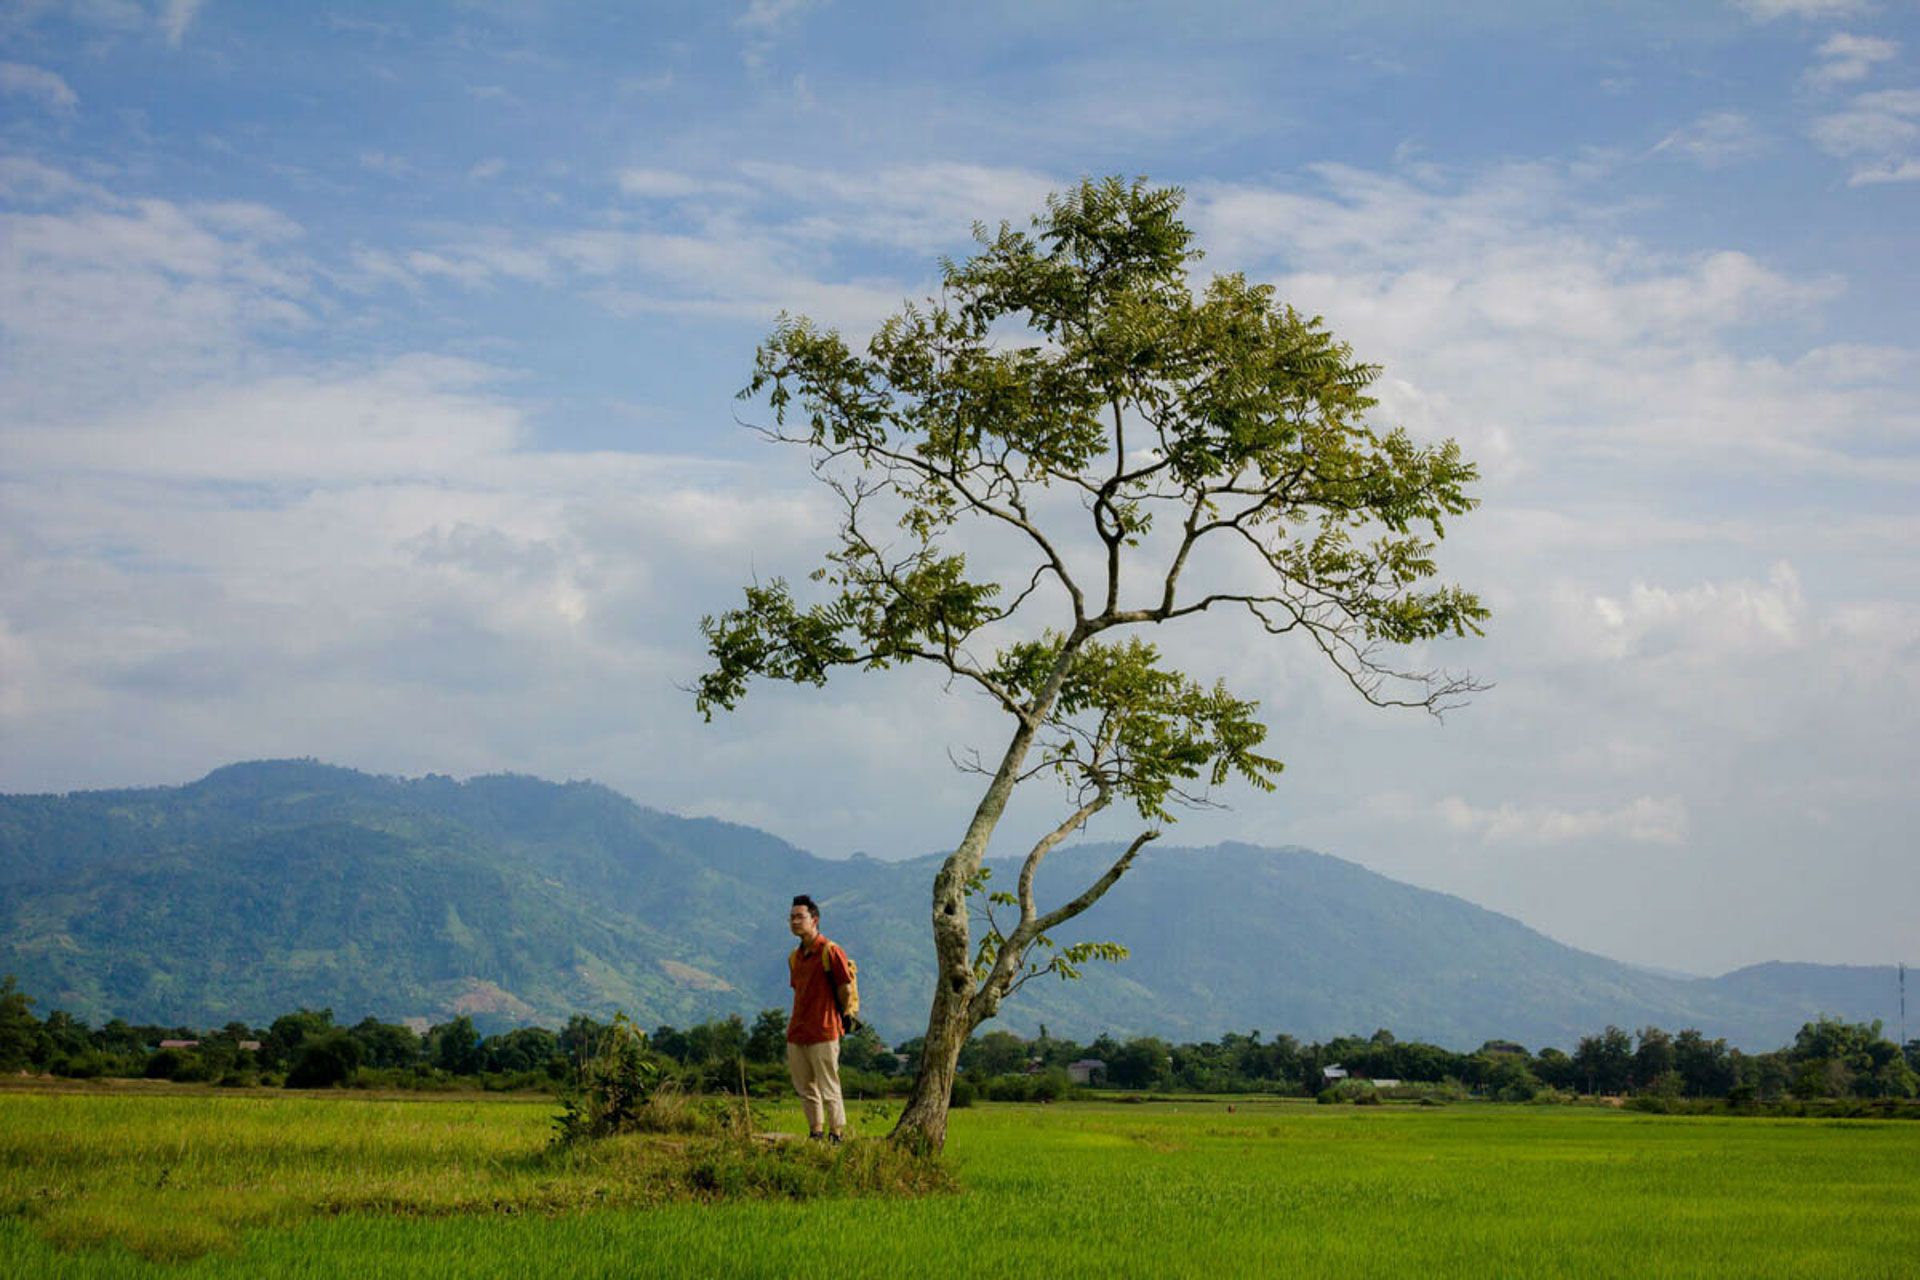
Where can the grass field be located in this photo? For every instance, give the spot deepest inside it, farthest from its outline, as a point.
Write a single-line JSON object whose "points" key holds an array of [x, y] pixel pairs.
{"points": [[133, 1182]]}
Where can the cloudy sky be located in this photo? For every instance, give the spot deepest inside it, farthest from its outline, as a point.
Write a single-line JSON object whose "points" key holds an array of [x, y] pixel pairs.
{"points": [[367, 373]]}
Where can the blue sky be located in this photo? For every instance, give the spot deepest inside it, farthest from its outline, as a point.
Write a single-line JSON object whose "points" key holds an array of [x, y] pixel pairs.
{"points": [[367, 372]]}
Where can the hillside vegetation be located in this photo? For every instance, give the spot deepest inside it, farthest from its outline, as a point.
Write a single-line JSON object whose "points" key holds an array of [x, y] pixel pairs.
{"points": [[273, 885]]}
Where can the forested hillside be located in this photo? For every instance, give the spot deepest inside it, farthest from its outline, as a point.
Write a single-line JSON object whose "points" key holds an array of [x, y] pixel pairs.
{"points": [[272, 885]]}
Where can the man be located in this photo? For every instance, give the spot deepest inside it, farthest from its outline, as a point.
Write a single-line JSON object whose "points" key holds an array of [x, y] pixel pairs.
{"points": [[813, 1032]]}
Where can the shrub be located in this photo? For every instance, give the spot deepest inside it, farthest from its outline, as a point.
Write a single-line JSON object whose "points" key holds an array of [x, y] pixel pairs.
{"points": [[164, 1063], [615, 1083], [85, 1065], [180, 1065], [1009, 1089], [1359, 1093], [324, 1061]]}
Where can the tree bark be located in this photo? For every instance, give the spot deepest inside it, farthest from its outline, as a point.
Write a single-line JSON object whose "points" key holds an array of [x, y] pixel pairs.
{"points": [[923, 1124], [951, 1017]]}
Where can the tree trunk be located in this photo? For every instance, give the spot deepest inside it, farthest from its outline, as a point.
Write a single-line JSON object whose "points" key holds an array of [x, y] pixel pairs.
{"points": [[953, 1014], [950, 1019], [923, 1123]]}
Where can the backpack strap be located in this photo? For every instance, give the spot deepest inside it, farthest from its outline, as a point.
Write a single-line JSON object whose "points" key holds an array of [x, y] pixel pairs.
{"points": [[826, 953]]}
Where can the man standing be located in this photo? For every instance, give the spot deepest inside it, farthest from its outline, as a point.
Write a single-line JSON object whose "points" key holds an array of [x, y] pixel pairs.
{"points": [[814, 969]]}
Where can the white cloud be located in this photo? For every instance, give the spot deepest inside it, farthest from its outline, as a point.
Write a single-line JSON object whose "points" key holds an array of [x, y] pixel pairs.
{"points": [[1715, 140], [1893, 171], [391, 165], [1769, 10], [1643, 820], [488, 169], [763, 22], [1883, 128], [37, 82], [26, 181], [748, 246], [1875, 122], [922, 207], [106, 301], [1847, 58], [273, 565], [1703, 625], [176, 16], [1575, 339], [414, 419], [171, 17], [769, 15], [658, 82], [657, 184]]}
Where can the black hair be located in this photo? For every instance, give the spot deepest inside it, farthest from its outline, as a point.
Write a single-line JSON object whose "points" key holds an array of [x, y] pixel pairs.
{"points": [[803, 900]]}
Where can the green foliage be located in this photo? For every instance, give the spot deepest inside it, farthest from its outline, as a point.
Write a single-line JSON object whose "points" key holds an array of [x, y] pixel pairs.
{"points": [[1359, 1093], [324, 1060], [1065, 962], [454, 1046], [1144, 1063], [1654, 1059], [1249, 428], [290, 1030], [863, 1050], [19, 1029], [1508, 1079], [614, 1084], [386, 1044], [1831, 1058], [1604, 1063], [767, 1040]]}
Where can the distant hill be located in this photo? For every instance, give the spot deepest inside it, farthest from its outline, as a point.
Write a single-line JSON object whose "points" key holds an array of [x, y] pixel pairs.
{"points": [[272, 885]]}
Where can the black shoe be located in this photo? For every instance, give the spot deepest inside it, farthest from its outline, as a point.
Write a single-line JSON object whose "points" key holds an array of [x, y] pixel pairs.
{"points": [[815, 1137], [833, 1139]]}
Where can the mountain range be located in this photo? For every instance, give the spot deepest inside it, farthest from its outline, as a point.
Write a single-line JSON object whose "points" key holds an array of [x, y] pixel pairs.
{"points": [[273, 885]]}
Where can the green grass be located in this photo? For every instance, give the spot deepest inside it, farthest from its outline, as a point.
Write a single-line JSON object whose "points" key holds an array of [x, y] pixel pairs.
{"points": [[220, 1185]]}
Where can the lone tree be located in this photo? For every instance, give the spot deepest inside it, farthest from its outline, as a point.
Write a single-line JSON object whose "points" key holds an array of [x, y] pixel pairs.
{"points": [[1127, 454]]}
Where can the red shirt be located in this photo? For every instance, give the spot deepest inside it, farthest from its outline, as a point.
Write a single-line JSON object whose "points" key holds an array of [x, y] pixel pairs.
{"points": [[816, 1015]]}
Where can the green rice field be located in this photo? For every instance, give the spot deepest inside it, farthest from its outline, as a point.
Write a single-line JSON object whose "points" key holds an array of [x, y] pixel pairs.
{"points": [[131, 1182]]}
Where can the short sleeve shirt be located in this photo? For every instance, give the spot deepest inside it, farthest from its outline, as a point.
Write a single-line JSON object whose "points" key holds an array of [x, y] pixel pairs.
{"points": [[816, 1015]]}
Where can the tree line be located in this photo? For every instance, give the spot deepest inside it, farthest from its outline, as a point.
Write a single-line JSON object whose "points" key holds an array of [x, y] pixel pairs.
{"points": [[1828, 1059]]}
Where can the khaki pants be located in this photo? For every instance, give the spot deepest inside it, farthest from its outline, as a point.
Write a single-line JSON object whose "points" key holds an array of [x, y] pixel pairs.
{"points": [[815, 1069]]}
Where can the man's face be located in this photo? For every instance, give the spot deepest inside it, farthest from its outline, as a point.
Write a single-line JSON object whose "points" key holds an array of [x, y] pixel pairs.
{"points": [[801, 922]]}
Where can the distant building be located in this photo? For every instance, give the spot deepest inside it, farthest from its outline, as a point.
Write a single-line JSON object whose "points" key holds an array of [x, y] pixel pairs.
{"points": [[1330, 1076], [1087, 1071], [179, 1044]]}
